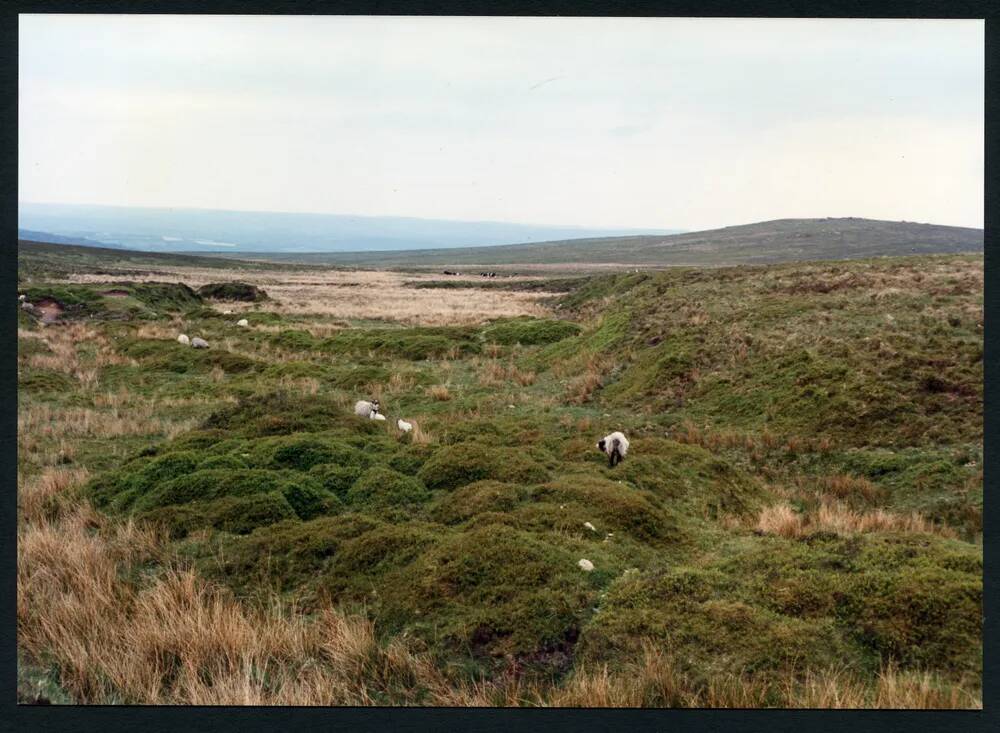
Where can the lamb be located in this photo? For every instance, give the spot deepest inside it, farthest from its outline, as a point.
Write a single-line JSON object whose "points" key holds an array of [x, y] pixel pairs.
{"points": [[403, 425], [243, 323], [363, 408], [376, 416], [615, 446], [183, 339], [199, 343]]}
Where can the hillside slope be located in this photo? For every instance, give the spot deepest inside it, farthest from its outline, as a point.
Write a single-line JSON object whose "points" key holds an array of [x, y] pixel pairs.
{"points": [[782, 240], [46, 260]]}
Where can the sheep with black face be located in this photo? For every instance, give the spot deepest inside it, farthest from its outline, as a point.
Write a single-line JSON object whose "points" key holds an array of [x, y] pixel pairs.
{"points": [[364, 408], [614, 446]]}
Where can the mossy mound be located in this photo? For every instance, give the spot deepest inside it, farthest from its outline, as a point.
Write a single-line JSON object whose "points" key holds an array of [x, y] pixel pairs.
{"points": [[478, 498], [771, 605], [170, 356], [114, 301], [495, 589], [232, 291], [234, 514], [414, 344], [529, 331], [383, 489], [707, 484], [454, 466], [617, 507], [294, 339]]}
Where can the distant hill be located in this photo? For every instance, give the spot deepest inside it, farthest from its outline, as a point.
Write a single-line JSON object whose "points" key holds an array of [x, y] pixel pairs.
{"points": [[781, 240], [241, 232], [39, 260]]}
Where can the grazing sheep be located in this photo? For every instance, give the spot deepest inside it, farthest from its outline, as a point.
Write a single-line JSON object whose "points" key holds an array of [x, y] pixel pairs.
{"points": [[243, 323], [363, 408], [403, 425], [615, 446], [27, 306], [199, 343], [21, 297], [376, 416], [585, 565], [227, 313], [183, 339]]}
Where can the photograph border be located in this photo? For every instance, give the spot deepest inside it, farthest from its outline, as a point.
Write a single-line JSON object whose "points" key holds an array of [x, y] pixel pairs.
{"points": [[152, 718]]}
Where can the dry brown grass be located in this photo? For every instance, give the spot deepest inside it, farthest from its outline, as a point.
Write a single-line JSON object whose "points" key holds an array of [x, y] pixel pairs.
{"points": [[42, 497], [439, 392], [587, 381], [654, 681], [360, 294], [418, 435], [783, 520], [845, 486], [495, 374]]}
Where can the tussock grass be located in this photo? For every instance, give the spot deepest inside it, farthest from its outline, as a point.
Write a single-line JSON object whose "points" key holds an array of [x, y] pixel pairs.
{"points": [[783, 520]]}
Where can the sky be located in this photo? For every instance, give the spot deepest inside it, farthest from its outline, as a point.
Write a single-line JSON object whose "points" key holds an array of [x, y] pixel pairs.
{"points": [[631, 122]]}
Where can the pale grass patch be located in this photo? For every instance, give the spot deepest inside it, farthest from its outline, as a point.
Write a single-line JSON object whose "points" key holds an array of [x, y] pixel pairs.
{"points": [[361, 295], [921, 690], [88, 378], [157, 331], [582, 387], [400, 382], [39, 497], [783, 520], [493, 374], [418, 435], [179, 640], [845, 486], [300, 385], [439, 392]]}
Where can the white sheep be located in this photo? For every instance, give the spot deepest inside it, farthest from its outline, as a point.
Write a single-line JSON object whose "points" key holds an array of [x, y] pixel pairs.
{"points": [[243, 323], [364, 408], [403, 425], [183, 339], [376, 416], [22, 297], [199, 343], [615, 446], [585, 565]]}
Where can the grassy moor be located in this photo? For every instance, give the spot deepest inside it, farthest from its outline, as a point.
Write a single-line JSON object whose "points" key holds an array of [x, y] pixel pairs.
{"points": [[798, 522]]}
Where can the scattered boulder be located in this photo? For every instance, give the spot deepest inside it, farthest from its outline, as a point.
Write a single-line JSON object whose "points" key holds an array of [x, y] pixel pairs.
{"points": [[183, 339]]}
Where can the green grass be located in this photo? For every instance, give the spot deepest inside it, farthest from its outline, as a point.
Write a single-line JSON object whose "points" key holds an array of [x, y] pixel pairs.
{"points": [[739, 388]]}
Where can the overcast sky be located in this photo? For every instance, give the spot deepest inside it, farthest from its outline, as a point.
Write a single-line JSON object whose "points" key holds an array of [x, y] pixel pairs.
{"points": [[666, 123]]}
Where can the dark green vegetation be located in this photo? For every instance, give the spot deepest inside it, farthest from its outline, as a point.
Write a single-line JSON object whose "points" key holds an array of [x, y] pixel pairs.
{"points": [[232, 291], [782, 240], [850, 388], [110, 301]]}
